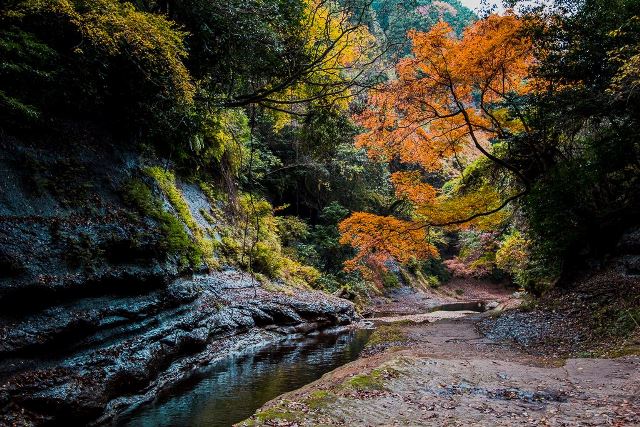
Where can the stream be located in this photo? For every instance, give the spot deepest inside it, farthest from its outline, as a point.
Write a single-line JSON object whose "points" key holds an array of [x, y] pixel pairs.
{"points": [[232, 389]]}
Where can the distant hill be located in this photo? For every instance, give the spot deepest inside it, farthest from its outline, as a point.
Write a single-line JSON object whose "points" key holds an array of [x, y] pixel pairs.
{"points": [[394, 18]]}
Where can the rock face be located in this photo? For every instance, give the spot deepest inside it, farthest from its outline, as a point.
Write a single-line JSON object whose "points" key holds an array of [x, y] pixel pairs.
{"points": [[87, 361], [94, 317], [65, 230]]}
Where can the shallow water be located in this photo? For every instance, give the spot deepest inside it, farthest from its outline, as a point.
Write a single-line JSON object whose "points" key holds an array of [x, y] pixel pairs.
{"points": [[232, 389], [477, 306]]}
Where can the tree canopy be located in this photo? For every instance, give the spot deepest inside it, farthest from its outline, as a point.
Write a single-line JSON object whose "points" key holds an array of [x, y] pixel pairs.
{"points": [[415, 124], [446, 106]]}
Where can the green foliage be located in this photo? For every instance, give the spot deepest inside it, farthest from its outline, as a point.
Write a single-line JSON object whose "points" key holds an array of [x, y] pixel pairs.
{"points": [[395, 18], [513, 256], [236, 43], [166, 181], [258, 239], [31, 66], [169, 75], [266, 259], [476, 256], [583, 160], [208, 217], [102, 59], [220, 140], [321, 247], [432, 269], [291, 229], [161, 76], [214, 194], [315, 163], [390, 280]]}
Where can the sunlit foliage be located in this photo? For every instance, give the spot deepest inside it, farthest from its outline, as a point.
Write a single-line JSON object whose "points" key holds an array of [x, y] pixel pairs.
{"points": [[445, 106], [384, 237]]}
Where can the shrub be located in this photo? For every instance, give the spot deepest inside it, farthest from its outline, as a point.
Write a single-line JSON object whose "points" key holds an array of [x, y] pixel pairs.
{"points": [[97, 58], [513, 255], [390, 280], [266, 259]]}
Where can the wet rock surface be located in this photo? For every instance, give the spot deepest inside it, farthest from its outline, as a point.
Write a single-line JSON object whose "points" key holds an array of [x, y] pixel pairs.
{"points": [[406, 300], [446, 373], [93, 316], [505, 367], [87, 360]]}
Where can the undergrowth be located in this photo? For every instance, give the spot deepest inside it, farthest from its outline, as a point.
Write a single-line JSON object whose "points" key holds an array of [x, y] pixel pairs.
{"points": [[166, 181]]}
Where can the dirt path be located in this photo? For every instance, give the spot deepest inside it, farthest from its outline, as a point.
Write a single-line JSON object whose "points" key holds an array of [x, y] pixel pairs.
{"points": [[406, 300], [446, 373]]}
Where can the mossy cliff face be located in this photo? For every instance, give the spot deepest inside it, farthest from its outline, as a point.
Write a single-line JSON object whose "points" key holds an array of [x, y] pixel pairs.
{"points": [[99, 214], [94, 317], [66, 230]]}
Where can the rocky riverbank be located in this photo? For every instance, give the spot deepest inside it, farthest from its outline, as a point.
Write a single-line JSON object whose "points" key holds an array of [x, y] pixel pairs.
{"points": [[86, 361], [446, 373], [463, 368], [99, 307]]}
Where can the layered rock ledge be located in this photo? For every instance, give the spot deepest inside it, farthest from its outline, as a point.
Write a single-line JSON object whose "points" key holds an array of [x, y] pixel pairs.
{"points": [[87, 360]]}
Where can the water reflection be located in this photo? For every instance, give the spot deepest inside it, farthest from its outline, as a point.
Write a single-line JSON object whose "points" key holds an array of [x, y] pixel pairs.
{"points": [[231, 390]]}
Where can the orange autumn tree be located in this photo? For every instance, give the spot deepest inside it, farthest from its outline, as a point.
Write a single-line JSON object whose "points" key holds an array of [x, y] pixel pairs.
{"points": [[449, 102]]}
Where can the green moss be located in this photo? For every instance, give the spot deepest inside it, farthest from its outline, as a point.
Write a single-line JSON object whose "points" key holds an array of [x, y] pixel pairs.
{"points": [[166, 181], [175, 239], [213, 194], [387, 334], [627, 350], [208, 217], [363, 382], [320, 399], [137, 193], [282, 413], [371, 381], [274, 413]]}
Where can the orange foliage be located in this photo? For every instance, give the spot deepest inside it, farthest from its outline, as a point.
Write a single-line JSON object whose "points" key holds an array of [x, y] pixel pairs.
{"points": [[441, 99], [447, 98], [380, 238], [409, 185]]}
